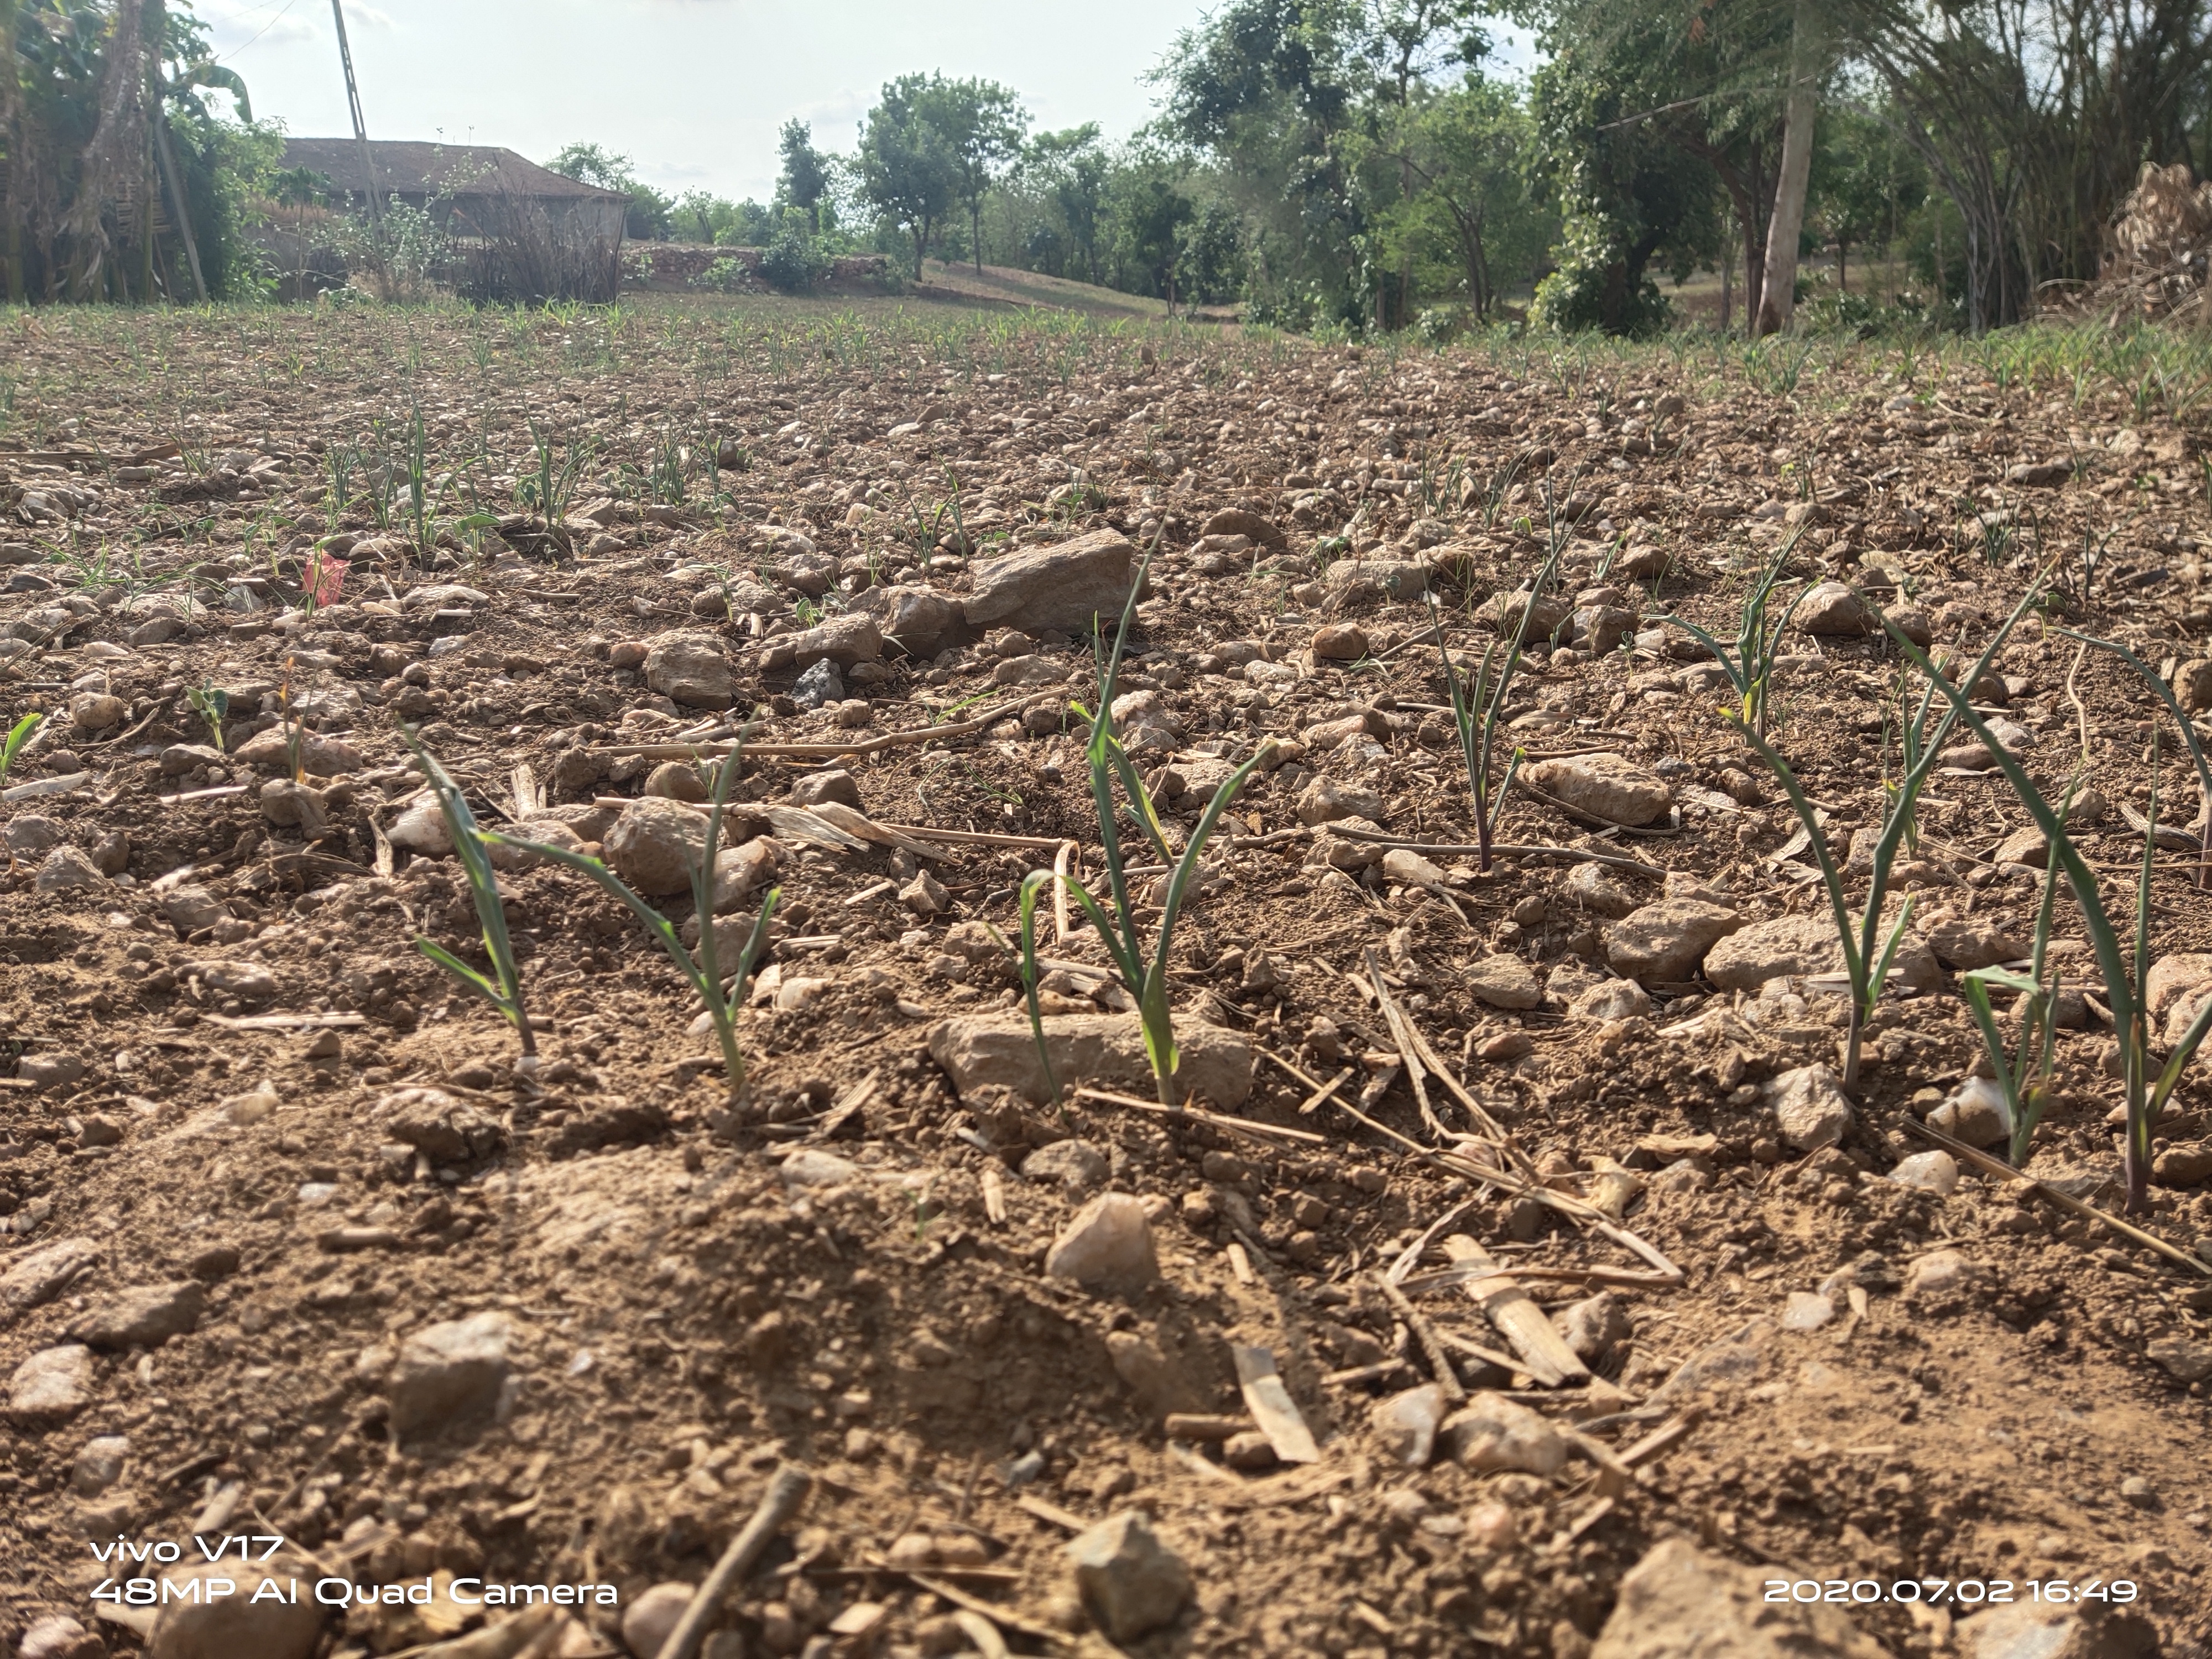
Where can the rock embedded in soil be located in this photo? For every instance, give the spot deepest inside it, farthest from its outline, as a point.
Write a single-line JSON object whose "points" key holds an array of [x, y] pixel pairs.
{"points": [[1106, 1246], [1678, 1602], [36, 1277], [1971, 941], [1129, 1581], [1831, 610], [422, 830], [2040, 1629], [29, 834], [1395, 579], [1162, 1387], [810, 1166], [1940, 1276], [646, 1622], [920, 622], [1606, 785], [199, 1625], [738, 871], [2192, 685], [1406, 1424], [1809, 1106], [320, 757], [985, 1051], [448, 1376], [655, 845], [1934, 1171], [2185, 1163], [442, 1127], [60, 1637], [1502, 981], [834, 785], [1664, 943], [1492, 1434], [142, 1316], [2183, 1358], [67, 869], [51, 1386], [1502, 613], [1327, 801], [1071, 586], [1975, 1112], [99, 1464], [690, 669], [1340, 642], [2175, 991], [1074, 1166], [851, 637], [1593, 888], [1800, 946], [50, 1070]]}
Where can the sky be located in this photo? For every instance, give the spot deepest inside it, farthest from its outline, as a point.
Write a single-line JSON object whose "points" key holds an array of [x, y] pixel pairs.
{"points": [[694, 91]]}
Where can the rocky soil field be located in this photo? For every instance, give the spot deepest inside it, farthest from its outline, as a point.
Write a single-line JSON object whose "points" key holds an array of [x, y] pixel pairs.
{"points": [[1517, 1274]]}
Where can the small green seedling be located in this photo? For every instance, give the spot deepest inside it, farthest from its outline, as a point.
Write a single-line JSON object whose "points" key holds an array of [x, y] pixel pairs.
{"points": [[1478, 705], [18, 736], [2025, 1076], [212, 704], [1750, 666], [1868, 949], [1146, 981], [2124, 976], [703, 971], [504, 991], [1030, 883]]}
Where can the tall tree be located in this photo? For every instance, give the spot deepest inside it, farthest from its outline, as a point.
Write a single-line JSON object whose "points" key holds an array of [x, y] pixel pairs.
{"points": [[980, 124], [1808, 64], [805, 178], [907, 172]]}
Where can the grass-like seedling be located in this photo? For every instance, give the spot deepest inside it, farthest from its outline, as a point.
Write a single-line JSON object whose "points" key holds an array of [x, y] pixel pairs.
{"points": [[704, 971], [2024, 1076], [1479, 704], [2124, 973], [18, 735], [1032, 884], [1145, 980], [1750, 665], [504, 989], [1868, 949]]}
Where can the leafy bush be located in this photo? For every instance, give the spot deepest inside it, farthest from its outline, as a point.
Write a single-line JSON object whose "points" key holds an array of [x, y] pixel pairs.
{"points": [[1592, 288], [794, 262], [727, 274]]}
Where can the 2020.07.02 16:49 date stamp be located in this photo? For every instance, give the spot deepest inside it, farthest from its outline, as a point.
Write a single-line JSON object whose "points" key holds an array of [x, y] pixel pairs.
{"points": [[1950, 1592]]}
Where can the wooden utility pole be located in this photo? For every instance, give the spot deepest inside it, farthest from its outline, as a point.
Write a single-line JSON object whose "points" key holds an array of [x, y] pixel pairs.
{"points": [[360, 126]]}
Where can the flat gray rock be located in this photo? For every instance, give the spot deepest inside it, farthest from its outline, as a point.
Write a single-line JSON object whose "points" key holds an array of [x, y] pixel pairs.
{"points": [[986, 1050]]}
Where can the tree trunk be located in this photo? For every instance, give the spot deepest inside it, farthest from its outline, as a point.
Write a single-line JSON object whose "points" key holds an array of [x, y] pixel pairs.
{"points": [[1809, 49], [975, 229], [1843, 274]]}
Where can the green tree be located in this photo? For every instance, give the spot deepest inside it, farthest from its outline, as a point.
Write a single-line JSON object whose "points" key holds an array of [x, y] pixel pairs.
{"points": [[1867, 183], [651, 214], [806, 177], [1068, 171], [980, 124], [1459, 158], [908, 171]]}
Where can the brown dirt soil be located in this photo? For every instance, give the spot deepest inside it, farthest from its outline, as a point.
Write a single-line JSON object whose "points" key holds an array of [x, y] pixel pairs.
{"points": [[682, 1310]]}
